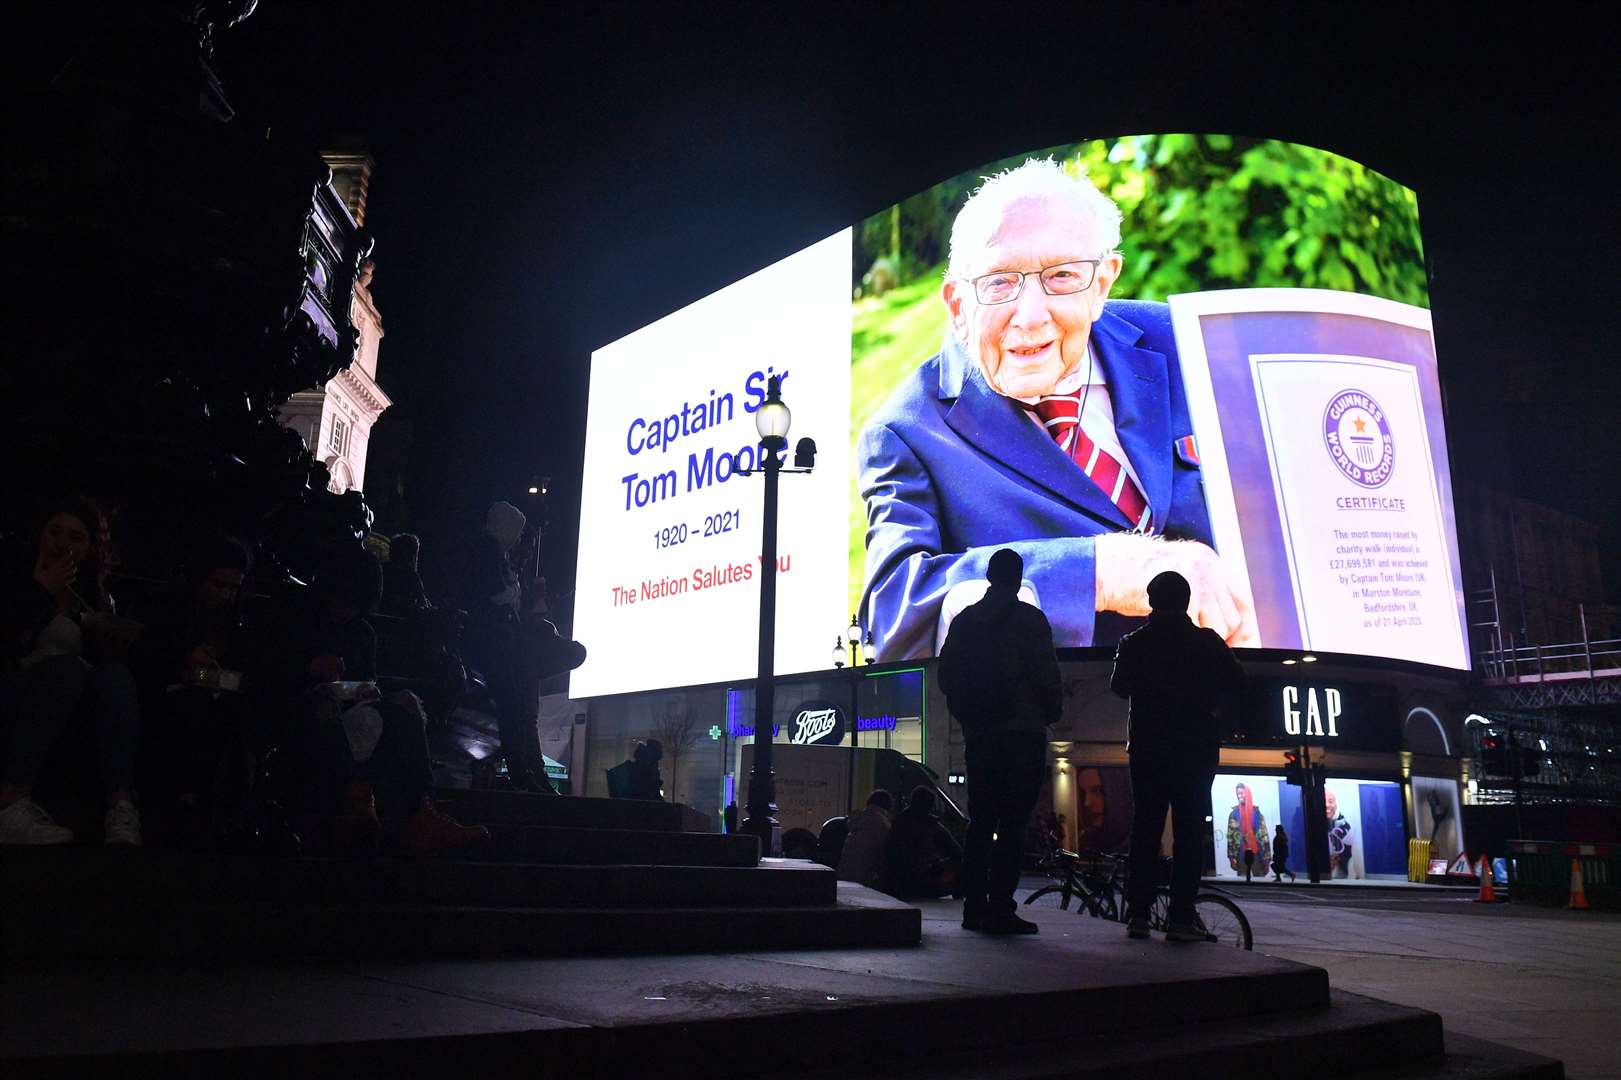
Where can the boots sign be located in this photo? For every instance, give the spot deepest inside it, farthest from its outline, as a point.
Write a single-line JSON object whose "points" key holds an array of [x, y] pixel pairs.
{"points": [[1287, 712], [817, 723]]}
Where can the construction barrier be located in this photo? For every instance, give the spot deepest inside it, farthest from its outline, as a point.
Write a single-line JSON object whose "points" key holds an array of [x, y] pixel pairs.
{"points": [[1418, 860], [1543, 871]]}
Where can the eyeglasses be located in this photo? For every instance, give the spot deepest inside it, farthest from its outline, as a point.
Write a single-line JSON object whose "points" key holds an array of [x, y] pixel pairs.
{"points": [[1062, 279]]}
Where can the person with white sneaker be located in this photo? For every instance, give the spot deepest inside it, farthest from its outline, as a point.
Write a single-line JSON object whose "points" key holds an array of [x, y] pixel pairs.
{"points": [[56, 618]]}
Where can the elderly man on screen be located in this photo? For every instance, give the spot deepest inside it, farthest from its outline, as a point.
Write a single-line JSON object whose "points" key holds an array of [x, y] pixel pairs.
{"points": [[1053, 422]]}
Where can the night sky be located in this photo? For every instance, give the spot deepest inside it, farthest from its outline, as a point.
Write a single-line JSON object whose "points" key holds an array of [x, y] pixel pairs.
{"points": [[550, 179]]}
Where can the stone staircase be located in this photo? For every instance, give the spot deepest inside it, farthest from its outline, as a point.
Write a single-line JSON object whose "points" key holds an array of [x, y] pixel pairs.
{"points": [[562, 876], [1079, 1002], [595, 938]]}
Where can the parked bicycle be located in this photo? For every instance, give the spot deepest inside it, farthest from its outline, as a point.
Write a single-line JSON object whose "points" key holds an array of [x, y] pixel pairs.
{"points": [[1098, 883]]}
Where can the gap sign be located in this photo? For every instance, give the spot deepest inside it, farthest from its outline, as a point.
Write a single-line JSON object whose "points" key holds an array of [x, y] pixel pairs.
{"points": [[1305, 708], [1280, 712]]}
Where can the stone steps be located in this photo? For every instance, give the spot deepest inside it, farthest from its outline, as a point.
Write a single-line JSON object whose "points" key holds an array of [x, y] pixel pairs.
{"points": [[157, 928], [1311, 1042], [1078, 1001], [561, 876], [506, 807], [51, 873], [562, 845], [1275, 1022]]}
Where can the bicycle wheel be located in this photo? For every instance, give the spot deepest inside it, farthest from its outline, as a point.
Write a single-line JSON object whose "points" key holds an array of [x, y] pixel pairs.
{"points": [[1159, 915], [1224, 921], [1045, 890], [1110, 904]]}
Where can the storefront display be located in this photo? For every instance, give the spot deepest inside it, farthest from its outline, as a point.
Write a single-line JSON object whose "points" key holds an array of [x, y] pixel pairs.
{"points": [[1437, 817], [1367, 836]]}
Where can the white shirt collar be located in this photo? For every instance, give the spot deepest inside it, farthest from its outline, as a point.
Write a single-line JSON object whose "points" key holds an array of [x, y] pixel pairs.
{"points": [[1085, 372]]}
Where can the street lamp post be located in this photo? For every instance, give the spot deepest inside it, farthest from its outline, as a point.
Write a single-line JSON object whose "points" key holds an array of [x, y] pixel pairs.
{"points": [[771, 420], [859, 652]]}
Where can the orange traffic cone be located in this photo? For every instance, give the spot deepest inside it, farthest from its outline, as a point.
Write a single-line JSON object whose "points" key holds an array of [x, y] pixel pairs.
{"points": [[1578, 894], [1487, 896]]}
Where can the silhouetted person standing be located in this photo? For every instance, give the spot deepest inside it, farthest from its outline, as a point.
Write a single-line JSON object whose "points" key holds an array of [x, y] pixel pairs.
{"points": [[1175, 674], [492, 595], [1280, 855], [1000, 675]]}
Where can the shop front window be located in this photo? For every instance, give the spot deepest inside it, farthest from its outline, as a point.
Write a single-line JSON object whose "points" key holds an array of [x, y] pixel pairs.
{"points": [[1367, 830], [815, 717]]}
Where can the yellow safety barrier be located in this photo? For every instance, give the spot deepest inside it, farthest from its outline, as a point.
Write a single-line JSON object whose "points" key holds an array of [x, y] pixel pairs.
{"points": [[1418, 860]]}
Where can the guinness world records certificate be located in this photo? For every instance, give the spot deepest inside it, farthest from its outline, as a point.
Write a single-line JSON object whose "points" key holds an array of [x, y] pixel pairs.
{"points": [[1319, 428]]}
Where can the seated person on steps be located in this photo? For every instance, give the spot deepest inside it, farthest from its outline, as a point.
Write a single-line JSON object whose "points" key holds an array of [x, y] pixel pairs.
{"points": [[63, 651], [364, 775]]}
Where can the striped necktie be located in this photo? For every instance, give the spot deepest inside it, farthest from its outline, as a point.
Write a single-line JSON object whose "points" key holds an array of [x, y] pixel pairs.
{"points": [[1061, 415]]}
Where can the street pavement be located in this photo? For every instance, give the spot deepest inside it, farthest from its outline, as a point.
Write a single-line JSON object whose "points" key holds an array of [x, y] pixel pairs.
{"points": [[1544, 980]]}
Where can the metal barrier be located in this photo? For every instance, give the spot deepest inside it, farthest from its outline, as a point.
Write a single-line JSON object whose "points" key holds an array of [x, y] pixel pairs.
{"points": [[1539, 872], [1418, 860], [1581, 659]]}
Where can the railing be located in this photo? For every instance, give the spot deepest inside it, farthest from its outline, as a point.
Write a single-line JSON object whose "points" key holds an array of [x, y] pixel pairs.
{"points": [[1548, 663]]}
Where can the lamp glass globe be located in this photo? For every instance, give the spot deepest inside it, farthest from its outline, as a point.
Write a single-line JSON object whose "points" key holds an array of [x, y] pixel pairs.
{"points": [[772, 420]]}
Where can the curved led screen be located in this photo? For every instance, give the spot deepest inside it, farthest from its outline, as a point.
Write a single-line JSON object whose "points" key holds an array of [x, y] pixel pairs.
{"points": [[1191, 352]]}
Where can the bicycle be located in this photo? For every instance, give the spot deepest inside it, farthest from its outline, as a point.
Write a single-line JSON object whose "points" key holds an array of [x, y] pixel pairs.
{"points": [[1099, 881], [1100, 893]]}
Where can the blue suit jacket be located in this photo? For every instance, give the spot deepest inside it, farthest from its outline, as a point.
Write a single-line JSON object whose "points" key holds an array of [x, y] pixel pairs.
{"points": [[952, 471]]}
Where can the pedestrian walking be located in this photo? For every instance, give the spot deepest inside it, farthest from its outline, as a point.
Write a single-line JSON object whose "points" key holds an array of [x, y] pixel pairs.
{"points": [[1280, 855], [1000, 676], [1174, 674]]}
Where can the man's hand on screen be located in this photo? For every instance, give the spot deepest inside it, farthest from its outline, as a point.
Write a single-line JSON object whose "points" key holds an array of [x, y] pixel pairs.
{"points": [[1126, 562]]}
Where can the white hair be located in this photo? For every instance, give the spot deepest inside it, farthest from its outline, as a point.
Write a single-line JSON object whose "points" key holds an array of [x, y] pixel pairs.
{"points": [[1037, 178]]}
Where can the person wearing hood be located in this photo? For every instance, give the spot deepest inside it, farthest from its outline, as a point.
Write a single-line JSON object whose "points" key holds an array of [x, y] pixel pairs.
{"points": [[1175, 675], [1248, 844], [492, 596], [1000, 675]]}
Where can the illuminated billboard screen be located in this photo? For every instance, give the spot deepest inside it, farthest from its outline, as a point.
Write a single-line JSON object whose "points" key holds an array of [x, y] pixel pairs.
{"points": [[1367, 832], [1190, 352]]}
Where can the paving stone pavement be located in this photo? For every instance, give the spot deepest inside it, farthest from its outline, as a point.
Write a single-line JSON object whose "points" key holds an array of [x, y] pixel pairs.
{"points": [[1542, 980]]}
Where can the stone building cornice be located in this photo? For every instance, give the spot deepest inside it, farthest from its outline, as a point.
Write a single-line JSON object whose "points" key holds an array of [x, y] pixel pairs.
{"points": [[363, 390]]}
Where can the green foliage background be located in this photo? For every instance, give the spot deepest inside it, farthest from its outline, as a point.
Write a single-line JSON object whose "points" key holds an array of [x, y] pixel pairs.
{"points": [[1201, 212]]}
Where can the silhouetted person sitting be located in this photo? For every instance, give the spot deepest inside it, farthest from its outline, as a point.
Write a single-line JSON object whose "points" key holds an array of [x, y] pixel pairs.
{"points": [[1000, 675], [924, 859], [64, 647], [637, 777], [403, 592], [362, 759], [830, 841], [866, 842], [799, 844], [1175, 675], [198, 760]]}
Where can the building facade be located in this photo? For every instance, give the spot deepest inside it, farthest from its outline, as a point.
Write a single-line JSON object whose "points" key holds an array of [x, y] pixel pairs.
{"points": [[1390, 739], [336, 419], [1535, 574]]}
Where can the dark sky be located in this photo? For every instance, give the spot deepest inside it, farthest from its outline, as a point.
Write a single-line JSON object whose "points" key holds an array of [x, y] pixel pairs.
{"points": [[552, 178]]}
